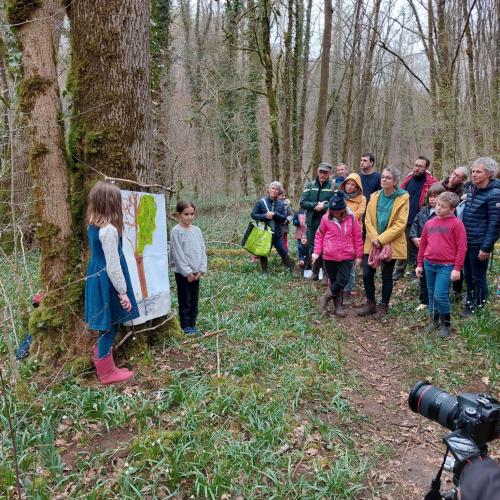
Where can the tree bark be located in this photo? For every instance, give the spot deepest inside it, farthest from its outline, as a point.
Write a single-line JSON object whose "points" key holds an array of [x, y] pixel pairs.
{"points": [[288, 103], [299, 134], [366, 81], [474, 110], [39, 99], [319, 139], [110, 82], [272, 100], [350, 81], [250, 101]]}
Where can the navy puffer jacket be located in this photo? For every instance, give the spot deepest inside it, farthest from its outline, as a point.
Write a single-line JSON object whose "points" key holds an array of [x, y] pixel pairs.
{"points": [[481, 216], [263, 206]]}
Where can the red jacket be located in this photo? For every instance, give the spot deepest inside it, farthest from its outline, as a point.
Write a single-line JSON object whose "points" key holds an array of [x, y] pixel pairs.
{"points": [[429, 181], [339, 241]]}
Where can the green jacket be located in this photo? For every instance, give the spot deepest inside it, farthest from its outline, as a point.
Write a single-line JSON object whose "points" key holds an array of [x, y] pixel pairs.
{"points": [[313, 193]]}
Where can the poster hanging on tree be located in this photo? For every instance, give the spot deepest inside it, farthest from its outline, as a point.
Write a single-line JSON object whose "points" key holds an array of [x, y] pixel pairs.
{"points": [[145, 250]]}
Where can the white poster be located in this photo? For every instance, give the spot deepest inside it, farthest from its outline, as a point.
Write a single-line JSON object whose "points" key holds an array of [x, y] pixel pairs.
{"points": [[145, 250]]}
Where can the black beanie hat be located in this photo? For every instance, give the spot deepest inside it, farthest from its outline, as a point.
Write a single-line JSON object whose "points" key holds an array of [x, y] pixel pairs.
{"points": [[337, 201]]}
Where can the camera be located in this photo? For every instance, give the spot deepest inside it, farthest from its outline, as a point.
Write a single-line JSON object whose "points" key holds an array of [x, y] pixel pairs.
{"points": [[476, 415], [474, 420]]}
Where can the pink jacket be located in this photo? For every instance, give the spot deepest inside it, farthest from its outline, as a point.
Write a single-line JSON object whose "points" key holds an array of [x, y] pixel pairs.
{"points": [[339, 241], [301, 228]]}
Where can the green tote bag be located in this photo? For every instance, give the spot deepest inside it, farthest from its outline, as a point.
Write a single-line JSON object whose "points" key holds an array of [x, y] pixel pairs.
{"points": [[257, 239]]}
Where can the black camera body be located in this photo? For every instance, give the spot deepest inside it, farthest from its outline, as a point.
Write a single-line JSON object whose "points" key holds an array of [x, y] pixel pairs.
{"points": [[473, 418], [479, 417]]}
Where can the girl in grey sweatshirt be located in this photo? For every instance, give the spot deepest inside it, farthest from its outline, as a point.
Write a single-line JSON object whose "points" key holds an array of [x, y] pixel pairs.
{"points": [[189, 259]]}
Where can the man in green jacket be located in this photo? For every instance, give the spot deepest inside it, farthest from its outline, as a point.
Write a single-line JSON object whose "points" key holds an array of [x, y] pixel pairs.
{"points": [[314, 201]]}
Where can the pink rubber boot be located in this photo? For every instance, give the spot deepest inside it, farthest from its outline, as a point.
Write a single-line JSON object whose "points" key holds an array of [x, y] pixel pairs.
{"points": [[94, 357], [108, 373]]}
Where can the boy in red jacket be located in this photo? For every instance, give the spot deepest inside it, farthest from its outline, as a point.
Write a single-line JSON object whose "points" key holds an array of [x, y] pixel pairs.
{"points": [[338, 240], [441, 253]]}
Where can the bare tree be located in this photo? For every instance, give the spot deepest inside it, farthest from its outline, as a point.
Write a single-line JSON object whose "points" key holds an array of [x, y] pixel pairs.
{"points": [[319, 139]]}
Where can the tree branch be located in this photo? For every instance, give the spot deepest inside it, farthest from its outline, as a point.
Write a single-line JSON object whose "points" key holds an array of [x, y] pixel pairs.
{"points": [[403, 62]]}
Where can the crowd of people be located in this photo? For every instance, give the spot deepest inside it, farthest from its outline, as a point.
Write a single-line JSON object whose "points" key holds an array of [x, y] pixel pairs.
{"points": [[442, 231], [344, 222]]}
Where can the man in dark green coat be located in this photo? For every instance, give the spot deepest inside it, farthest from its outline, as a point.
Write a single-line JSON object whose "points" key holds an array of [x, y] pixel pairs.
{"points": [[314, 201]]}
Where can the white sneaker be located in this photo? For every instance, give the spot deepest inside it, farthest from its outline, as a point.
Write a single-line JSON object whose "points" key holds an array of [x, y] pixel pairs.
{"points": [[421, 307]]}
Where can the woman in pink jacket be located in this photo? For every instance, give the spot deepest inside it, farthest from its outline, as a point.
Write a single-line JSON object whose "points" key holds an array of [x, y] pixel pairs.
{"points": [[338, 240]]}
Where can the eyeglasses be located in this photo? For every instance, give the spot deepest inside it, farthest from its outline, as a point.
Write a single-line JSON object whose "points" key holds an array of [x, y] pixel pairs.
{"points": [[388, 177]]}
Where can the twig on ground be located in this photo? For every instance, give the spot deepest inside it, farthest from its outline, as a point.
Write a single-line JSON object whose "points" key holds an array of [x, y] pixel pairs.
{"points": [[206, 336], [404, 454], [135, 332]]}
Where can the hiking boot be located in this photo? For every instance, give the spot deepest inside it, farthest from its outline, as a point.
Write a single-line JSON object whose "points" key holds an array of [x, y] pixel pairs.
{"points": [[382, 311], [263, 264], [324, 280], [346, 298], [337, 300], [287, 262], [433, 324], [444, 330], [367, 309], [323, 301], [467, 312]]}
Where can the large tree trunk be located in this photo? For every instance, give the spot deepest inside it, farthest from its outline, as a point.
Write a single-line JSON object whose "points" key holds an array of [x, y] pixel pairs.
{"points": [[474, 110], [110, 82], [250, 101], [319, 139], [366, 81], [39, 99], [353, 62], [272, 100], [287, 99], [303, 51], [161, 87]]}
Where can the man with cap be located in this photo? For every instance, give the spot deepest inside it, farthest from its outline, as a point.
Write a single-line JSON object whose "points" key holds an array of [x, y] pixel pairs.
{"points": [[314, 201]]}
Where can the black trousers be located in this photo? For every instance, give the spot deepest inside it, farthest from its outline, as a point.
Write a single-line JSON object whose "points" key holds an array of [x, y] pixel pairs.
{"points": [[339, 273], [369, 280], [187, 296]]}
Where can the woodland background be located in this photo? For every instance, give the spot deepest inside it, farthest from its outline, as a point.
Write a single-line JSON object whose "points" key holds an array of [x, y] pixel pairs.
{"points": [[211, 96], [212, 100]]}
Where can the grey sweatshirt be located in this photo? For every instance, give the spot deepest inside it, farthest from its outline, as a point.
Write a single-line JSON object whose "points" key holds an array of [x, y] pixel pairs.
{"points": [[188, 250], [108, 236]]}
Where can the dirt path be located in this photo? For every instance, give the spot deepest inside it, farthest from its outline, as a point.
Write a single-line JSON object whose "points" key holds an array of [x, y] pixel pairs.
{"points": [[415, 452]]}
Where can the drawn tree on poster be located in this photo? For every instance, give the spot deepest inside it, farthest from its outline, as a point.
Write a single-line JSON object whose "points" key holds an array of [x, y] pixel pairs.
{"points": [[139, 216]]}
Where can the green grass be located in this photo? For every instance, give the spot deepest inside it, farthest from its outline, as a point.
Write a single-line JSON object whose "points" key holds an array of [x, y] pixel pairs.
{"points": [[277, 423]]}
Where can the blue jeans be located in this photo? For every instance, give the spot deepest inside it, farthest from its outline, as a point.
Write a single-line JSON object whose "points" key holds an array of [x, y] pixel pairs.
{"points": [[105, 341], [475, 276], [438, 286], [302, 250]]}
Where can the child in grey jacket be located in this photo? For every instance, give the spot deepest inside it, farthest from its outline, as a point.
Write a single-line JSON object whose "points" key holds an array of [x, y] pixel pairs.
{"points": [[189, 259]]}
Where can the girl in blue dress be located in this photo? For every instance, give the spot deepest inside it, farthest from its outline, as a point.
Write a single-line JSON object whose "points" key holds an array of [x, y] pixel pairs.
{"points": [[109, 297]]}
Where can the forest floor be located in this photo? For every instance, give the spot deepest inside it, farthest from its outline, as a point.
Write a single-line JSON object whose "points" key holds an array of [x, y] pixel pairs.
{"points": [[282, 403]]}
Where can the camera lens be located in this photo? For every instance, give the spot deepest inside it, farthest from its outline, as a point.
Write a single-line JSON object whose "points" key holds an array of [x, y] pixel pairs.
{"points": [[433, 403]]}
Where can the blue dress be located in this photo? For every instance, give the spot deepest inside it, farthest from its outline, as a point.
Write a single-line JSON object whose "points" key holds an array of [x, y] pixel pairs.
{"points": [[102, 305]]}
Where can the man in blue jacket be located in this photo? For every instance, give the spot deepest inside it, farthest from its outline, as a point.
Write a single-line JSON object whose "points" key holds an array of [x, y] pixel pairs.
{"points": [[271, 211], [481, 218]]}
